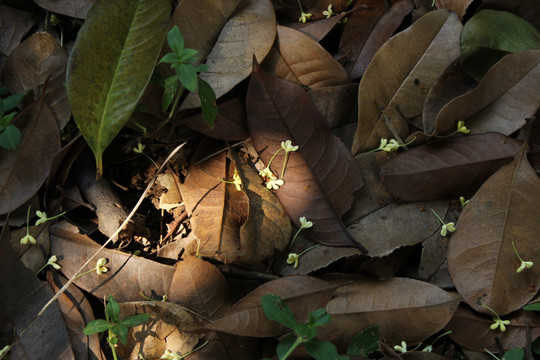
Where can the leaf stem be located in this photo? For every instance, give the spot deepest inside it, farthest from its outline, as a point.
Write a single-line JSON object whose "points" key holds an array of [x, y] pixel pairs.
{"points": [[297, 342], [176, 100]]}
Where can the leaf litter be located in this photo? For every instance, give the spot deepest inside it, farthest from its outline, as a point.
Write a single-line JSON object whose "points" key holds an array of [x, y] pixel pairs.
{"points": [[366, 77]]}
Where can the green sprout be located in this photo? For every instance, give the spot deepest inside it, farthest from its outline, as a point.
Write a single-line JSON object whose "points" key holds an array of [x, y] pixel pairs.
{"points": [[10, 135], [187, 76], [117, 329]]}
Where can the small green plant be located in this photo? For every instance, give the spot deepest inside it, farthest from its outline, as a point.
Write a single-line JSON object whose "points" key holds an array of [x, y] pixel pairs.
{"points": [[275, 309], [187, 75], [10, 135], [117, 329]]}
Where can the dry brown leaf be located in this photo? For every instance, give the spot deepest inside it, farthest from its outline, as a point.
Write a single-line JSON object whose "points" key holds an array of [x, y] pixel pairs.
{"points": [[457, 6], [395, 84], [298, 58], [27, 68], [303, 294], [227, 34], [397, 225], [39, 144], [199, 286], [170, 327], [127, 277], [507, 95], [405, 309], [77, 9], [336, 103], [471, 330], [14, 24], [481, 258], [32, 256]]}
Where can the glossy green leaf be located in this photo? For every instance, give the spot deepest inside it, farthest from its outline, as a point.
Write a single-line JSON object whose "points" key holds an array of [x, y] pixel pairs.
{"points": [[110, 65], [365, 342], [323, 350], [275, 309], [96, 326], [208, 101], [135, 320], [489, 35], [112, 309], [10, 137]]}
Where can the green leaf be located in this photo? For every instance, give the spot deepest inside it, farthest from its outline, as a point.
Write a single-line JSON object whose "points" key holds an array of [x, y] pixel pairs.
{"points": [[112, 309], [187, 54], [275, 309], [319, 317], [187, 76], [208, 101], [323, 350], [365, 342], [175, 39], [110, 65], [171, 87], [514, 354], [96, 326], [284, 345], [491, 34], [121, 331], [135, 320], [532, 307], [10, 137], [170, 58], [11, 102], [536, 346]]}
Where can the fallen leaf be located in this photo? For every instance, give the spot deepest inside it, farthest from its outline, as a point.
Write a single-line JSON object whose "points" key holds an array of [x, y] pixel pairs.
{"points": [[298, 58], [227, 35], [471, 330], [458, 6], [395, 84], [170, 327], [367, 30], [14, 24], [526, 9], [77, 9], [32, 256], [500, 103], [336, 103], [481, 258], [397, 225], [321, 176], [199, 286], [317, 30], [127, 277], [40, 141], [38, 58], [117, 45], [303, 294], [405, 309], [448, 169], [24, 296]]}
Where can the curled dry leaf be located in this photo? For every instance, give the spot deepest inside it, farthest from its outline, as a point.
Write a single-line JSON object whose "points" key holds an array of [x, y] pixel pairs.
{"points": [[298, 58], [395, 84], [481, 258], [451, 168], [405, 309], [230, 225], [40, 141], [303, 294], [321, 176], [397, 225], [127, 275], [38, 58], [471, 330], [170, 327], [507, 95], [367, 30], [457, 6], [199, 286], [227, 35]]}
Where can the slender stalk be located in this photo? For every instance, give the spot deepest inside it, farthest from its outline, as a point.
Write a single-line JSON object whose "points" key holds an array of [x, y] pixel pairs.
{"points": [[297, 342]]}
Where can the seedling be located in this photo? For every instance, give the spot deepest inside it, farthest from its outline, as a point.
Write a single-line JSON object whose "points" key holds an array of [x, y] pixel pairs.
{"points": [[117, 329], [10, 135], [275, 309], [187, 76]]}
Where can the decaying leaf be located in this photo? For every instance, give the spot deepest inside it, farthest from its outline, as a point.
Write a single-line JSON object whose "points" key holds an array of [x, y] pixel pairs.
{"points": [[503, 214], [405, 309], [303, 294], [449, 168], [321, 176], [298, 58], [457, 6], [393, 89]]}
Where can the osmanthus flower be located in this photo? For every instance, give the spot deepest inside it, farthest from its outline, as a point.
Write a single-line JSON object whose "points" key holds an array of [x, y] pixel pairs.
{"points": [[99, 268], [304, 224], [524, 264], [274, 183], [328, 13], [42, 215], [266, 174], [497, 321], [237, 181], [401, 348], [52, 262], [304, 17], [462, 128], [293, 258], [390, 145], [288, 147], [28, 238], [139, 149], [446, 227], [463, 201]]}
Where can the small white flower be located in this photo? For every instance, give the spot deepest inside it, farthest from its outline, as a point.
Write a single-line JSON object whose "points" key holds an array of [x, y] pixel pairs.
{"points": [[100, 266], [28, 238], [328, 13], [393, 145], [304, 223], [304, 17], [447, 228], [288, 147], [52, 262], [274, 183], [525, 264], [139, 149], [293, 259], [42, 217], [498, 322], [402, 348]]}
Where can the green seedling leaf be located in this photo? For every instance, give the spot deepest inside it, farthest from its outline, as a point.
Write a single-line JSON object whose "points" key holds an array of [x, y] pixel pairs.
{"points": [[516, 353], [187, 55], [171, 86], [323, 350], [170, 58], [532, 307], [275, 309], [110, 65], [175, 39], [135, 320], [10, 137], [187, 76], [284, 345], [365, 342], [96, 326], [121, 331], [489, 35], [208, 101], [11, 102], [112, 309], [319, 318]]}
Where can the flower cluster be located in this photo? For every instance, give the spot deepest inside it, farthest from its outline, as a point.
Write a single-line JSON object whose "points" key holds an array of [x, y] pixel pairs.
{"points": [[390, 145], [272, 181]]}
